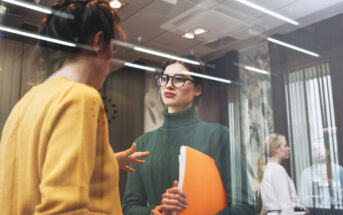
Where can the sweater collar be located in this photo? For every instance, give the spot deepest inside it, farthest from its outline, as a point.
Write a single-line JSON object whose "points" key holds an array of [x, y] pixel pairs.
{"points": [[181, 118]]}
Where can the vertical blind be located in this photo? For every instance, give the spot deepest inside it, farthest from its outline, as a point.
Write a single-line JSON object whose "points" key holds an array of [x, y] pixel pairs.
{"points": [[312, 137]]}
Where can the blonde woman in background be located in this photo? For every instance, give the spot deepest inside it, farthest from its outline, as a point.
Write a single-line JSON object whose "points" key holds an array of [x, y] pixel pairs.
{"points": [[277, 188]]}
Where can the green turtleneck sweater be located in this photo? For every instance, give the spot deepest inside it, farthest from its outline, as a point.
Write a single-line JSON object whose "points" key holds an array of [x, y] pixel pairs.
{"points": [[145, 187]]}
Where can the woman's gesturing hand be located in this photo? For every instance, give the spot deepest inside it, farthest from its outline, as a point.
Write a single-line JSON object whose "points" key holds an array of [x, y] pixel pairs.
{"points": [[130, 156]]}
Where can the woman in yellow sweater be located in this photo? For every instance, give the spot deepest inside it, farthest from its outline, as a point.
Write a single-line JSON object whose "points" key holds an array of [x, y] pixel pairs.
{"points": [[55, 156]]}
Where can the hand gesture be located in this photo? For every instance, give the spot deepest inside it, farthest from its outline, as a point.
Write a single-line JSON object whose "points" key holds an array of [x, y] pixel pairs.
{"points": [[130, 156]]}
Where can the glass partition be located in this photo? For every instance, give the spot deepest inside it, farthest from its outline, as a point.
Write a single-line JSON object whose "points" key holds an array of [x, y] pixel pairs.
{"points": [[254, 85]]}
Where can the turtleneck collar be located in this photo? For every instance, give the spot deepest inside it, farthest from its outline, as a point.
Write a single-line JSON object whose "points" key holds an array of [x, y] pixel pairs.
{"points": [[181, 118]]}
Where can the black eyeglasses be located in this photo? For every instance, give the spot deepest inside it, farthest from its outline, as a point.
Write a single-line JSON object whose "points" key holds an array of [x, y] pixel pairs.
{"points": [[177, 80]]}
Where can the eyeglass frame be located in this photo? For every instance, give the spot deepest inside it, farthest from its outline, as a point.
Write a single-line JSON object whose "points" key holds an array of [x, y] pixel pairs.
{"points": [[172, 80]]}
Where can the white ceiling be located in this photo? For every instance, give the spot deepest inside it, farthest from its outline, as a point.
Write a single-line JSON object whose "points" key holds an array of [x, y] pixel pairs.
{"points": [[157, 24]]}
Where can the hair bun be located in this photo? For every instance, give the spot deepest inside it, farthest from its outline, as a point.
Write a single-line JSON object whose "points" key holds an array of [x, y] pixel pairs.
{"points": [[89, 18]]}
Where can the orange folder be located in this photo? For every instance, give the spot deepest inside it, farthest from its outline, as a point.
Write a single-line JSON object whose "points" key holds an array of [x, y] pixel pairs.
{"points": [[200, 180]]}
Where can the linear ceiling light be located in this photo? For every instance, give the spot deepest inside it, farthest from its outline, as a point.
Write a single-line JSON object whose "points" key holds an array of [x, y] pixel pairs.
{"points": [[39, 8], [269, 12], [133, 65], [256, 70], [292, 47], [29, 6], [137, 66], [61, 42], [153, 52], [161, 54], [207, 77], [36, 36]]}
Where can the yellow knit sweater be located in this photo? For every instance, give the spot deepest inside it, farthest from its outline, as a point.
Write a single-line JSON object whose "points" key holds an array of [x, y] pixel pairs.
{"points": [[55, 156]]}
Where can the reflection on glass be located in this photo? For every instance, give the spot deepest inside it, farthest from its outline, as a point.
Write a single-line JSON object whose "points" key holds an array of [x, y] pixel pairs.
{"points": [[321, 184], [154, 187], [272, 66], [311, 115]]}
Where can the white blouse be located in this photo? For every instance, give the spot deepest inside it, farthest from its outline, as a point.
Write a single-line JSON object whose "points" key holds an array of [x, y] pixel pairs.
{"points": [[278, 190]]}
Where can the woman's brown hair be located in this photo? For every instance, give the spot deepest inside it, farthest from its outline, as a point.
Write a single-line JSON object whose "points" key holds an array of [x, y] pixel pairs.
{"points": [[85, 19]]}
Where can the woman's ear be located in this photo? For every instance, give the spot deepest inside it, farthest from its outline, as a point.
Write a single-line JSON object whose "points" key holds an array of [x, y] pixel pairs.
{"points": [[98, 41], [275, 151], [197, 90]]}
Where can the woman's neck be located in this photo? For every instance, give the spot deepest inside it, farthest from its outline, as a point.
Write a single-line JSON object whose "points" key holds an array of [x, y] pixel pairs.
{"points": [[80, 71], [275, 159]]}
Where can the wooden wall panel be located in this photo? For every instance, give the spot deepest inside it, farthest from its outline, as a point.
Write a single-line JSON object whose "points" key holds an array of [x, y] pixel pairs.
{"points": [[10, 76], [123, 96]]}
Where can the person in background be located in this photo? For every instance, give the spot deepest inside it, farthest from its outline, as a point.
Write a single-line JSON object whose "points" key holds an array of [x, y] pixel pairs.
{"points": [[277, 188], [55, 156], [152, 189], [321, 184]]}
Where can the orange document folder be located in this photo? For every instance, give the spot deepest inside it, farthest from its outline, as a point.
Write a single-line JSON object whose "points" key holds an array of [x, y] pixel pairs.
{"points": [[200, 180]]}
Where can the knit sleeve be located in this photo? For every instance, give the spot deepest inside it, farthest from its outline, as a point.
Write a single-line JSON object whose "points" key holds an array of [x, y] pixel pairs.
{"points": [[234, 175], [134, 200], [70, 154]]}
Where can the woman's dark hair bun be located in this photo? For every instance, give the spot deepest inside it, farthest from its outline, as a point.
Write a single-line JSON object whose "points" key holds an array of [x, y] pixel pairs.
{"points": [[83, 20], [89, 17]]}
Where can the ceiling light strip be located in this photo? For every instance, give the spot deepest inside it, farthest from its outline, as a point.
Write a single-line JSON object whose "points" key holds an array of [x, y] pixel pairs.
{"points": [[165, 55], [253, 69], [29, 6], [61, 42], [269, 12], [38, 8], [153, 52], [292, 47], [137, 66], [133, 65], [207, 77], [36, 36]]}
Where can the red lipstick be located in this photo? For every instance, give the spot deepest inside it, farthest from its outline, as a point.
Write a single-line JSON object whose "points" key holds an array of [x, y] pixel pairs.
{"points": [[169, 95]]}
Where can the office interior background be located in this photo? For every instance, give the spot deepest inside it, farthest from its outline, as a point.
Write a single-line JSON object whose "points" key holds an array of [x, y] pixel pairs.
{"points": [[272, 66]]}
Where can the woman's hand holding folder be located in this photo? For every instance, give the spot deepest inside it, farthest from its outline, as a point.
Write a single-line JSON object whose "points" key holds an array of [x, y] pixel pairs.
{"points": [[174, 199]]}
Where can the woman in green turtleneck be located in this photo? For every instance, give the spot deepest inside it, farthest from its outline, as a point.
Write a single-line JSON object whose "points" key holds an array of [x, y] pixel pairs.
{"points": [[152, 189]]}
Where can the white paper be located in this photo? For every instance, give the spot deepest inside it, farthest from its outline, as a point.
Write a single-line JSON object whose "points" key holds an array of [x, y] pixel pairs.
{"points": [[182, 168]]}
